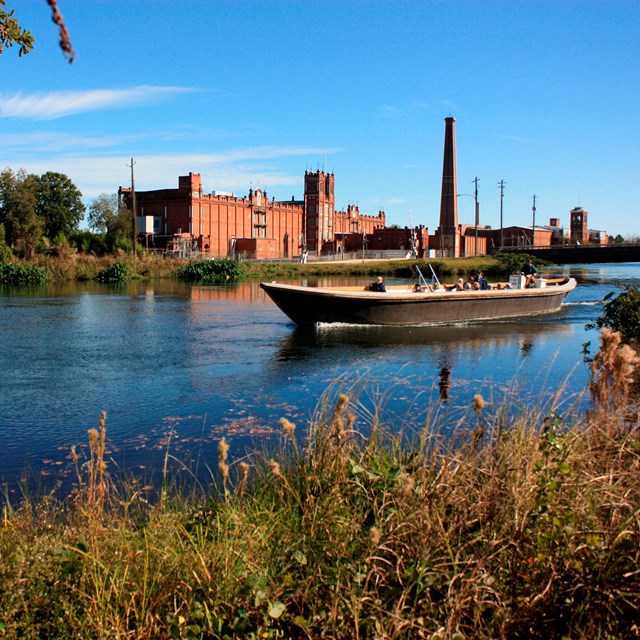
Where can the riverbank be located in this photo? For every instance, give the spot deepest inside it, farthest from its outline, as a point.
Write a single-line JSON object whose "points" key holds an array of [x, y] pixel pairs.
{"points": [[514, 527], [78, 267]]}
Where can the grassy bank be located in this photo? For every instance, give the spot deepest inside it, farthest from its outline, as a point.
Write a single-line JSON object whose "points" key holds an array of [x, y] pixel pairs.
{"points": [[517, 528], [75, 266]]}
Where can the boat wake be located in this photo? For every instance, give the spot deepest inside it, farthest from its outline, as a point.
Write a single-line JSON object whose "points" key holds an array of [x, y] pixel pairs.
{"points": [[585, 303]]}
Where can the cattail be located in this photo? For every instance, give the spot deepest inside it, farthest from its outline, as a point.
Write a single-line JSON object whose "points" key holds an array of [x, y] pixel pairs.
{"points": [[406, 484], [244, 476], [288, 428], [478, 403], [343, 401], [275, 469], [94, 436], [223, 451]]}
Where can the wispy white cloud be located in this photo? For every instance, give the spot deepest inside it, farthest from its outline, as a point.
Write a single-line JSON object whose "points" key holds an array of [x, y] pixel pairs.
{"points": [[58, 104], [49, 141], [233, 170]]}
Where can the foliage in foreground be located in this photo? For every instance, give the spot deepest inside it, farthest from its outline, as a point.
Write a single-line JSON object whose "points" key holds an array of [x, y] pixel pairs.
{"points": [[522, 529], [622, 314]]}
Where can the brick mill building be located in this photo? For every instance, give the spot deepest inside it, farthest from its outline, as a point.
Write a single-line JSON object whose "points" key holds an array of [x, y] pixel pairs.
{"points": [[220, 224]]}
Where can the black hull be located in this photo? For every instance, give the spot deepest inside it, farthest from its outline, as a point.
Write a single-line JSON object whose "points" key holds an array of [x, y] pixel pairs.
{"points": [[310, 305]]}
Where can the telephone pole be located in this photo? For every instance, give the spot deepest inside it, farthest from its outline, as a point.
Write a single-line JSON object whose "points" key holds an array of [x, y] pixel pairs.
{"points": [[475, 197], [533, 224], [134, 232], [501, 185]]}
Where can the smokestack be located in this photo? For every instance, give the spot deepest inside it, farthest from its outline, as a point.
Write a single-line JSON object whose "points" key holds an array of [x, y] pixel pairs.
{"points": [[449, 199]]}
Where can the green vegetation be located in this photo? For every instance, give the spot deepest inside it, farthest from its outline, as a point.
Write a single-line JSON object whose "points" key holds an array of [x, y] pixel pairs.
{"points": [[12, 33], [622, 314], [514, 528], [22, 274], [116, 272], [218, 270]]}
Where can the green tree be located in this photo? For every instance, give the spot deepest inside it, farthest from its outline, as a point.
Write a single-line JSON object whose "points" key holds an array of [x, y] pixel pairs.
{"points": [[59, 205], [12, 33], [103, 212], [108, 218], [18, 200]]}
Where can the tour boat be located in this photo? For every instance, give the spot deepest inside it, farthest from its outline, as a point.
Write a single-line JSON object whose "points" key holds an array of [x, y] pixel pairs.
{"points": [[401, 305]]}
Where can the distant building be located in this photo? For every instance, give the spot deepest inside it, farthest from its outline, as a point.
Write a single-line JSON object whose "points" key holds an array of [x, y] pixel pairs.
{"points": [[553, 234], [221, 224]]}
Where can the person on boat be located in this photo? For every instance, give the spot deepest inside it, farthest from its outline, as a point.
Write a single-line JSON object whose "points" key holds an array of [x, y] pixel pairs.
{"points": [[529, 269], [417, 288], [378, 285], [483, 285]]}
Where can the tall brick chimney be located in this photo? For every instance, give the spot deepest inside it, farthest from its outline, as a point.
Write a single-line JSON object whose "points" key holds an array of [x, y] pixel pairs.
{"points": [[449, 231]]}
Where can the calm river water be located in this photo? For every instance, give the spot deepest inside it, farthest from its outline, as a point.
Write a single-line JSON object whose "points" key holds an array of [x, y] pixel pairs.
{"points": [[176, 367]]}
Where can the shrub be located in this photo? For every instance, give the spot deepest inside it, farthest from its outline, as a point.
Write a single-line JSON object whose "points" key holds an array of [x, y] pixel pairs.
{"points": [[621, 314], [117, 272], [22, 274], [513, 262], [218, 270]]}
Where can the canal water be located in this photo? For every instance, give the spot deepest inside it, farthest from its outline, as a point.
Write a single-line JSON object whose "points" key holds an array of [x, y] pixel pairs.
{"points": [[176, 367]]}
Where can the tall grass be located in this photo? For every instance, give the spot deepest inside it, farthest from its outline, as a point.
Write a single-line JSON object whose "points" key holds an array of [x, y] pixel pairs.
{"points": [[516, 528]]}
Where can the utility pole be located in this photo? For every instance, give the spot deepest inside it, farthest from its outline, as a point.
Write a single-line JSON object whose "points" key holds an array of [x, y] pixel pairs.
{"points": [[533, 224], [134, 233], [475, 197], [501, 185]]}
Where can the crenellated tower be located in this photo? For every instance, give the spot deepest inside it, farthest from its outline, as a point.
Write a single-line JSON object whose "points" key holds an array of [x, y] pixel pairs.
{"points": [[319, 209]]}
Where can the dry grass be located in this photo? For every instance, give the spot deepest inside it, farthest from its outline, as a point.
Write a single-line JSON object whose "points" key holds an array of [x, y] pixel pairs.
{"points": [[528, 529]]}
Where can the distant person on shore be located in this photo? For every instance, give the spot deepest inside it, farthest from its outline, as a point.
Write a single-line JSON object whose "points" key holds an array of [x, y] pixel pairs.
{"points": [[378, 285]]}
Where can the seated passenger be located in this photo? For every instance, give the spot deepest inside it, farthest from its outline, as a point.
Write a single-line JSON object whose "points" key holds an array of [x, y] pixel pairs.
{"points": [[417, 288], [378, 285]]}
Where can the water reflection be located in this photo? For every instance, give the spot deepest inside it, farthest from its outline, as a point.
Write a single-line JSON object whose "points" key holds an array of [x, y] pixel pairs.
{"points": [[205, 361], [304, 343], [445, 383]]}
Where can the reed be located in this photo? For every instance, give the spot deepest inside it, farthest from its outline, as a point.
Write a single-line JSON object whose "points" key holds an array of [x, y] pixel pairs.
{"points": [[524, 527]]}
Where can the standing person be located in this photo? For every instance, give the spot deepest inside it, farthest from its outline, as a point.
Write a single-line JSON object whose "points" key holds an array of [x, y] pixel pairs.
{"points": [[378, 285]]}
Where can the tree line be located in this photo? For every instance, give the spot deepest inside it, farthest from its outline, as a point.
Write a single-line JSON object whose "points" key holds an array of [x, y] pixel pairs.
{"points": [[42, 214]]}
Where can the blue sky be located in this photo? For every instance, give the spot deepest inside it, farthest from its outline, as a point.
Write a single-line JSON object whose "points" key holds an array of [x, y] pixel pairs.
{"points": [[546, 96]]}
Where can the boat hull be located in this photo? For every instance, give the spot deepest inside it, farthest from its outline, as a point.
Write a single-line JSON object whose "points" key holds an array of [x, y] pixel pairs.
{"points": [[313, 305]]}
